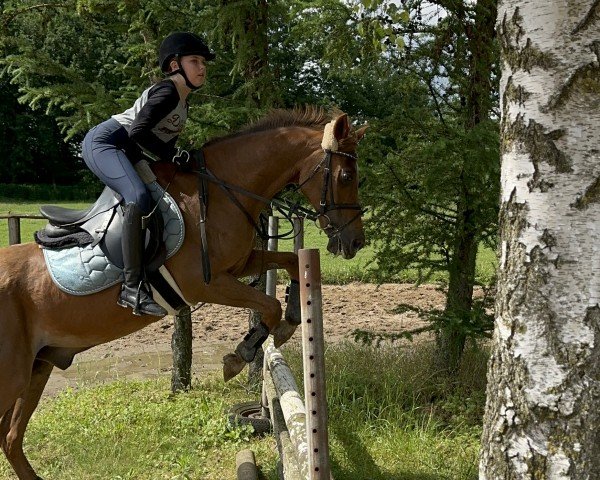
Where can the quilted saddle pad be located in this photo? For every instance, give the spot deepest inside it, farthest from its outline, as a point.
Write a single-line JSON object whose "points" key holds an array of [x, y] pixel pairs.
{"points": [[86, 270]]}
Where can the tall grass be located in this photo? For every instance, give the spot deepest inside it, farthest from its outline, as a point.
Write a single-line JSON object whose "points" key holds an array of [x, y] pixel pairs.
{"points": [[391, 418]]}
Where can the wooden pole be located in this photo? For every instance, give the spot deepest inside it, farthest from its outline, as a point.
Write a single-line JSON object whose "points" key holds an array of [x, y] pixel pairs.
{"points": [[292, 405], [287, 454], [272, 247], [245, 463], [14, 230], [313, 351], [298, 234], [255, 368], [271, 290]]}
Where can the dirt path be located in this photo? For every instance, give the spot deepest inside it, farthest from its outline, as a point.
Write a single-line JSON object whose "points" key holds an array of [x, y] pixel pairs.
{"points": [[218, 329]]}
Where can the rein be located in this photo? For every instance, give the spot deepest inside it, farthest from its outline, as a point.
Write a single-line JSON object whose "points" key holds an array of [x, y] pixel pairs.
{"points": [[287, 208]]}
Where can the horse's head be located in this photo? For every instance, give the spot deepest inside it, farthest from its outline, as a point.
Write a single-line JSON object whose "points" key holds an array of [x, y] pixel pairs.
{"points": [[329, 179]]}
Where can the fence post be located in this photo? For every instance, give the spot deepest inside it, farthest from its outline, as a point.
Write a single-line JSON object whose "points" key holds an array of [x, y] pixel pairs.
{"points": [[298, 234], [313, 352], [14, 230]]}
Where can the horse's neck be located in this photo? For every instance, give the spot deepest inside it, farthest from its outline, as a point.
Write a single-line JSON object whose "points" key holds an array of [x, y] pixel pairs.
{"points": [[262, 162]]}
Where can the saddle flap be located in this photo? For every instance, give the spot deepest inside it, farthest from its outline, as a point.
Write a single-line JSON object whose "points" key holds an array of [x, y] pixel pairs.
{"points": [[61, 216]]}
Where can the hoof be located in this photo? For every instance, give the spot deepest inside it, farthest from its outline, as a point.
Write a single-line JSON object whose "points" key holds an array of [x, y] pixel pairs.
{"points": [[283, 332], [232, 365]]}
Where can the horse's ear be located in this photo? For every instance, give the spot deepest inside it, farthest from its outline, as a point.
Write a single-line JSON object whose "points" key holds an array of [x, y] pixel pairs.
{"points": [[341, 128], [360, 133]]}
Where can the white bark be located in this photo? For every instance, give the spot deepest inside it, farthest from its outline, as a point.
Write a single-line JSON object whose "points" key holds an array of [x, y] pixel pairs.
{"points": [[543, 410]]}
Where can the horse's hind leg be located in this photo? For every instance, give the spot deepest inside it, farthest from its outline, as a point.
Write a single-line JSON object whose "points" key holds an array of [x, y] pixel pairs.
{"points": [[14, 422]]}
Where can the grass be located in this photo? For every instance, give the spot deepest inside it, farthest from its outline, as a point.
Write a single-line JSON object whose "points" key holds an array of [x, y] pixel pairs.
{"points": [[401, 424], [334, 270]]}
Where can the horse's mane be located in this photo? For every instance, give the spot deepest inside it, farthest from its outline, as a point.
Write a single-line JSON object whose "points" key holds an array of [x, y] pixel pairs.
{"points": [[309, 116]]}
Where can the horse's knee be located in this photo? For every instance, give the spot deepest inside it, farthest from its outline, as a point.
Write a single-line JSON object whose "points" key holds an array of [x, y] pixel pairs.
{"points": [[272, 315]]}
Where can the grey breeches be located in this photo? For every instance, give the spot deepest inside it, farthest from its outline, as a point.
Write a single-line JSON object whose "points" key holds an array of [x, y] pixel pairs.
{"points": [[103, 151]]}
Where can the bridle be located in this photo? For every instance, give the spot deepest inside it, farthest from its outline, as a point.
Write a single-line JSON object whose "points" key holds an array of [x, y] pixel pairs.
{"points": [[327, 202]]}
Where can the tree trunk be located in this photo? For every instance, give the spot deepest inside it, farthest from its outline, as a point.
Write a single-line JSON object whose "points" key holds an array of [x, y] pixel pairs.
{"points": [[542, 412], [459, 299], [181, 345], [256, 69]]}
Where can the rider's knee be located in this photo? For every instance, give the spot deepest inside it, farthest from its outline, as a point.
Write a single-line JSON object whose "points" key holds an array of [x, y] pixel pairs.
{"points": [[143, 199]]}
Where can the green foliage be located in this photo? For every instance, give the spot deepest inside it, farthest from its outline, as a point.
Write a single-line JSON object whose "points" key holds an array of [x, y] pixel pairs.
{"points": [[31, 145], [50, 193], [421, 179]]}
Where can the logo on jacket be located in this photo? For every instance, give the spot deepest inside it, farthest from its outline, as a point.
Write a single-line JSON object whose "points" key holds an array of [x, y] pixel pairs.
{"points": [[175, 120]]}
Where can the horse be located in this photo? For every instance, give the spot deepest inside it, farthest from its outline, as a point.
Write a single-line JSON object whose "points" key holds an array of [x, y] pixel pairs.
{"points": [[42, 327]]}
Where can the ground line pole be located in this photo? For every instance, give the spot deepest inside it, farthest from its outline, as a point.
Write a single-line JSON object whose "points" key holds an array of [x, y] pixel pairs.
{"points": [[313, 351]]}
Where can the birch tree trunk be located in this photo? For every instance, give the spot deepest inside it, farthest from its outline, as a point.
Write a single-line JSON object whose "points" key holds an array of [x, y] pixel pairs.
{"points": [[542, 417]]}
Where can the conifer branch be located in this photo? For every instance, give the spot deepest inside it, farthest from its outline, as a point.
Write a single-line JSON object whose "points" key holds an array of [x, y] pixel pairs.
{"points": [[14, 13]]}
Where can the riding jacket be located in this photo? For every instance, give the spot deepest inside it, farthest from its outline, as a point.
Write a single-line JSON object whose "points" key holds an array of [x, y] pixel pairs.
{"points": [[155, 120]]}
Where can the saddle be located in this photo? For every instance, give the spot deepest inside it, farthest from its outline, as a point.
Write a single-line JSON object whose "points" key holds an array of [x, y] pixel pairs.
{"points": [[83, 252], [101, 225]]}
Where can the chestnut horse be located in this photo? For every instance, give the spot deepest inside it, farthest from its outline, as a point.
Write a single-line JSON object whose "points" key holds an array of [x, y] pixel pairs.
{"points": [[42, 327]]}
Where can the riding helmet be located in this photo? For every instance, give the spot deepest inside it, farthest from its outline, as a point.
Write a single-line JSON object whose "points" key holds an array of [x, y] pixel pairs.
{"points": [[179, 44]]}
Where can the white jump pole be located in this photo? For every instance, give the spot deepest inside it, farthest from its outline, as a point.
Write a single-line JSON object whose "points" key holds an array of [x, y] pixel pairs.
{"points": [[292, 444]]}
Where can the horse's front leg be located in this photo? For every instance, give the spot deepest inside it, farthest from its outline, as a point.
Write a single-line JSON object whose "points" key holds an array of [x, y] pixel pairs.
{"points": [[258, 263], [225, 289]]}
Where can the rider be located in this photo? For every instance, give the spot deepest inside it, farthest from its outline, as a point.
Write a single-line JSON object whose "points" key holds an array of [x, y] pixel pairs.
{"points": [[149, 129]]}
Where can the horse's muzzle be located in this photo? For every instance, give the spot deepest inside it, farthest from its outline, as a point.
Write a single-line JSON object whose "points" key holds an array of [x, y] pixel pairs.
{"points": [[346, 245]]}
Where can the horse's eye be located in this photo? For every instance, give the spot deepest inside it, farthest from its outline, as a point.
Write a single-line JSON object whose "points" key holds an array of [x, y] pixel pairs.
{"points": [[347, 176]]}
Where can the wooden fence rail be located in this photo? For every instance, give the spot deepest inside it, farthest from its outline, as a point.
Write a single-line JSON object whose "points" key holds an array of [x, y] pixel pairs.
{"points": [[14, 226]]}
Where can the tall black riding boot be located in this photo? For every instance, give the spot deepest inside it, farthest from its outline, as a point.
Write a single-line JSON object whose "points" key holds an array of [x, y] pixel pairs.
{"points": [[134, 292]]}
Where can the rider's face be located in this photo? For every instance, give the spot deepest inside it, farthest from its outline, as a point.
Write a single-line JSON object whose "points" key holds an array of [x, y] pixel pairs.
{"points": [[195, 69]]}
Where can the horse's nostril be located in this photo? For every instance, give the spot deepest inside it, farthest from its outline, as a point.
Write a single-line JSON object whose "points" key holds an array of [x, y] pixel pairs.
{"points": [[357, 244]]}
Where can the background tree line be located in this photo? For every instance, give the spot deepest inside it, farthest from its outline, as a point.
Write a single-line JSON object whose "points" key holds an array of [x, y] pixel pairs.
{"points": [[423, 74]]}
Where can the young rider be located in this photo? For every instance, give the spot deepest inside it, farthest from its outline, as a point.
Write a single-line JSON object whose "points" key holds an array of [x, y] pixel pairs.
{"points": [[149, 129]]}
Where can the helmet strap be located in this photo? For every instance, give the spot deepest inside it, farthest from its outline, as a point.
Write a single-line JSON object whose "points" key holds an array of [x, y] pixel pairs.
{"points": [[181, 71]]}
